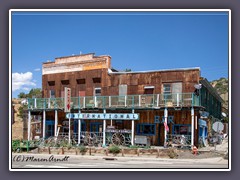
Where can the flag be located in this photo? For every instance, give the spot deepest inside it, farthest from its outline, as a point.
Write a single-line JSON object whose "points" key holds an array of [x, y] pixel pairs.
{"points": [[166, 126]]}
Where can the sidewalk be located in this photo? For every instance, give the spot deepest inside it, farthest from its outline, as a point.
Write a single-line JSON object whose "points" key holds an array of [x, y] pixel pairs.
{"points": [[128, 158]]}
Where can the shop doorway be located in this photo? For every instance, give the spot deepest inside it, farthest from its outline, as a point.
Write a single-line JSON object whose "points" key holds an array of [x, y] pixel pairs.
{"points": [[49, 128], [75, 126], [96, 127]]}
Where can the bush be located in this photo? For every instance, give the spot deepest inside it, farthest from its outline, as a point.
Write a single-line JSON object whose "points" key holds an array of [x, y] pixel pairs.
{"points": [[114, 149], [15, 145], [69, 146], [82, 149], [172, 153], [133, 147]]}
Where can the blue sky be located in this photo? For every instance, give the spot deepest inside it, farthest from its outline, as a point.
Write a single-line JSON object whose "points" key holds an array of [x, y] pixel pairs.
{"points": [[135, 40]]}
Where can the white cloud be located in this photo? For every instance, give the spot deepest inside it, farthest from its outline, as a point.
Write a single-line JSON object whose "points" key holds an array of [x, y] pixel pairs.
{"points": [[22, 81], [37, 69]]}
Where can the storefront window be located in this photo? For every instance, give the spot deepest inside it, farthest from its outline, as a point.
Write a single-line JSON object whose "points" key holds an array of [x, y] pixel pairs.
{"points": [[183, 129], [146, 129]]}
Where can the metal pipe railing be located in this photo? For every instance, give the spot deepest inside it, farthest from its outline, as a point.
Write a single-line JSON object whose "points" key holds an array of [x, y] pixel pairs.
{"points": [[128, 101]]}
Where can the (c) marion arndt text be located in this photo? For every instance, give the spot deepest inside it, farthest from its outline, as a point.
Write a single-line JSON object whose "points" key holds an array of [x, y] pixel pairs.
{"points": [[22, 158]]}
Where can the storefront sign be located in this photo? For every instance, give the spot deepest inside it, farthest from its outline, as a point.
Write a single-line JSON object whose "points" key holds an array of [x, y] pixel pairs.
{"points": [[107, 116], [67, 99], [119, 130]]}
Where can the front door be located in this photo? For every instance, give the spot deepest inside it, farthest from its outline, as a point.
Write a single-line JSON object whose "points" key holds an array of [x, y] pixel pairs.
{"points": [[49, 128], [96, 127], [75, 126]]}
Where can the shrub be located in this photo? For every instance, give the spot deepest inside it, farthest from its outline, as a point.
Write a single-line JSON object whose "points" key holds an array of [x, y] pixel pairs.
{"points": [[69, 146], [133, 147], [172, 153], [15, 145], [82, 149], [114, 149]]}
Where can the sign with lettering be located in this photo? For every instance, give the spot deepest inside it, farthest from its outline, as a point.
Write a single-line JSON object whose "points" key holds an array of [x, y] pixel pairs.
{"points": [[67, 99], [104, 116], [169, 119]]}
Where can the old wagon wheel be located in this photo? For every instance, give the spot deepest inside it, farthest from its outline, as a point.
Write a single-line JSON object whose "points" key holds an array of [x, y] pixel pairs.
{"points": [[118, 139]]}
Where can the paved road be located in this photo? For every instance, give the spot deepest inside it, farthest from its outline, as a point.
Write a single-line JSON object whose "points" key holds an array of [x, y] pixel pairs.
{"points": [[31, 161]]}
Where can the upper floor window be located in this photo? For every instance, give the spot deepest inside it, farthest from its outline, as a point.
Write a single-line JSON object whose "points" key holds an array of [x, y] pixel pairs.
{"points": [[81, 81], [51, 83], [65, 82], [167, 89], [149, 89], [97, 80], [172, 88], [122, 90], [52, 94], [97, 91]]}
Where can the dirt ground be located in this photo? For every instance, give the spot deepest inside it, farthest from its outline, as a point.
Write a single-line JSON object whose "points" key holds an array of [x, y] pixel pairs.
{"points": [[206, 152]]}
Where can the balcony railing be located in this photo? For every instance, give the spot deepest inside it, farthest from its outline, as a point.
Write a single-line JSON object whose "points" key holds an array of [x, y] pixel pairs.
{"points": [[128, 101]]}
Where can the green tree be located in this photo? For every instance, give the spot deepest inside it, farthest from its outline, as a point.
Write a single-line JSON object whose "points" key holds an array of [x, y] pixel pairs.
{"points": [[37, 93], [21, 110], [22, 95]]}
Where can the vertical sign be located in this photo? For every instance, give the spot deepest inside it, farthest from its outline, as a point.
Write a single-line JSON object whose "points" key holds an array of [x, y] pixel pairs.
{"points": [[67, 99]]}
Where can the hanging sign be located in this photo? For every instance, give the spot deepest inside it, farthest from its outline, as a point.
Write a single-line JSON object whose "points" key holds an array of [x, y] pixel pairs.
{"points": [[67, 99], [104, 116]]}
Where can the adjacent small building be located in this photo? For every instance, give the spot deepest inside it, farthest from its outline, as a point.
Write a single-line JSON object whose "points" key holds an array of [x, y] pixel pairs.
{"points": [[118, 107]]}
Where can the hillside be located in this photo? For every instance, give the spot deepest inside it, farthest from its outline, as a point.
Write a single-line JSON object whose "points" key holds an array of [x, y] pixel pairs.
{"points": [[221, 85], [17, 127]]}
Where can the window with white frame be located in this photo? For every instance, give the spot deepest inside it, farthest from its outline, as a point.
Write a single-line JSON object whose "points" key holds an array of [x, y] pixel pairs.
{"points": [[97, 91], [169, 88], [122, 90], [173, 92], [52, 94]]}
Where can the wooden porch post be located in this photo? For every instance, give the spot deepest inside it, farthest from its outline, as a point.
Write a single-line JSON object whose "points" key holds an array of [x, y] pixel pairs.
{"points": [[44, 124], [132, 140], [165, 130], [69, 130], [56, 122], [104, 130], [192, 127], [79, 129]]}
